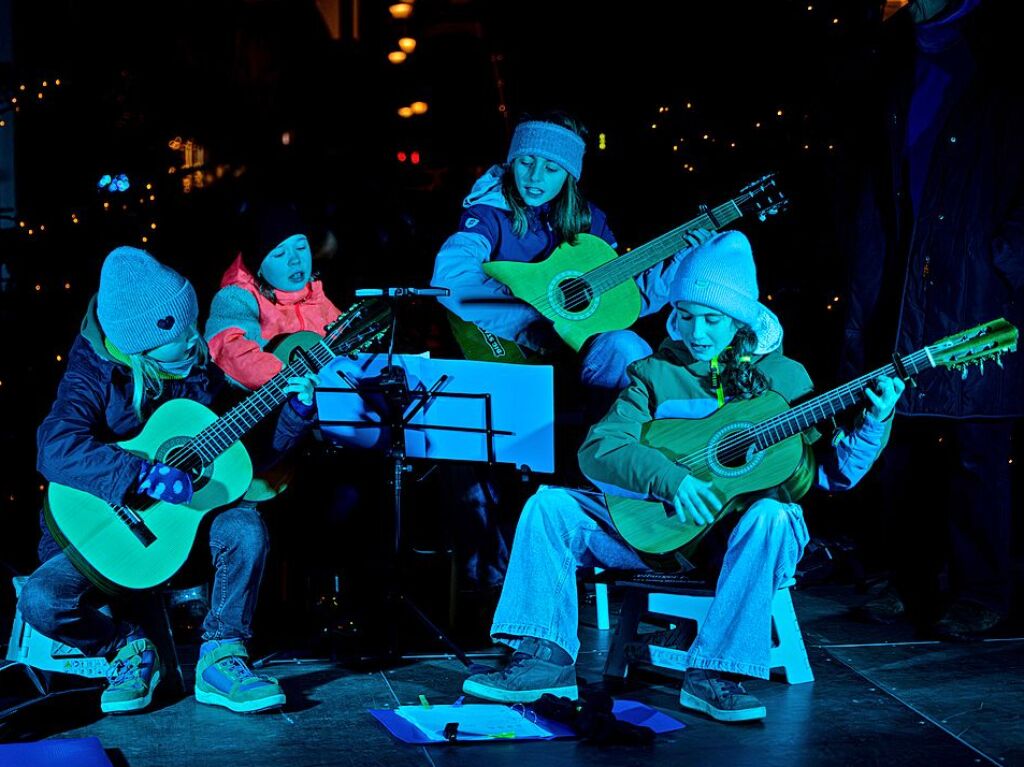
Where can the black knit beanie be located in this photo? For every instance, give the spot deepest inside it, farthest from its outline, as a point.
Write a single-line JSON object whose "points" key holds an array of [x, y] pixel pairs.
{"points": [[264, 226]]}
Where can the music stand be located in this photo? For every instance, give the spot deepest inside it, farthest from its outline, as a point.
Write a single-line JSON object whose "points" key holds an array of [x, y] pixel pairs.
{"points": [[389, 396]]}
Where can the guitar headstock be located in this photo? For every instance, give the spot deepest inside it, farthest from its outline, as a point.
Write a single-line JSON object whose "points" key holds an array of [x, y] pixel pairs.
{"points": [[762, 198], [972, 347], [358, 326]]}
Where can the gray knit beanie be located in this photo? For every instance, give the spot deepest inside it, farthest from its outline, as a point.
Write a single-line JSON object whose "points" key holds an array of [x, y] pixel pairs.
{"points": [[720, 274], [143, 304]]}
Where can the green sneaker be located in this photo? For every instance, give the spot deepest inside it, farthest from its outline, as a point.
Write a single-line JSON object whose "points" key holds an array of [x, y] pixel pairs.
{"points": [[223, 678], [133, 675], [530, 674]]}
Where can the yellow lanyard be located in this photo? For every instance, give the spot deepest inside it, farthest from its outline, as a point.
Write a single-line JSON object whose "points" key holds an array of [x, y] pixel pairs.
{"points": [[716, 380]]}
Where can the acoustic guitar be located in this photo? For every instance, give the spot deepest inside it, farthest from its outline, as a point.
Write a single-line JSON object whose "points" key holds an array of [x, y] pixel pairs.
{"points": [[587, 288], [140, 545], [750, 446]]}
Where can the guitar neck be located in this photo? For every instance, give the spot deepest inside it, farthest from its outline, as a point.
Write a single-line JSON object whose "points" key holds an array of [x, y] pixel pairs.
{"points": [[639, 260], [823, 407], [230, 427]]}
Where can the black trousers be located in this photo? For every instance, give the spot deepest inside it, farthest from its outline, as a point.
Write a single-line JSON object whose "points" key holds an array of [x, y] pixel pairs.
{"points": [[947, 510]]}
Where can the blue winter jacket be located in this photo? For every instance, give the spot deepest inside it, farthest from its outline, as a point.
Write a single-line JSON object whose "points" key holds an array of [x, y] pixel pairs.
{"points": [[93, 410]]}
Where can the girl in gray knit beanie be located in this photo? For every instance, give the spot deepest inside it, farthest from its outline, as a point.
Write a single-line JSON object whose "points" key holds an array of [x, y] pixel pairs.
{"points": [[148, 312]]}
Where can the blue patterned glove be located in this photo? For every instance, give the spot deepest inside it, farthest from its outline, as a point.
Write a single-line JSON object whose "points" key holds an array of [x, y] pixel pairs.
{"points": [[164, 483]]}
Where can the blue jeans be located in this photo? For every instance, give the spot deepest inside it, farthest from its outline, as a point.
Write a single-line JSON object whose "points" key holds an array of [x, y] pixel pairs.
{"points": [[561, 530], [606, 357], [481, 537], [61, 603]]}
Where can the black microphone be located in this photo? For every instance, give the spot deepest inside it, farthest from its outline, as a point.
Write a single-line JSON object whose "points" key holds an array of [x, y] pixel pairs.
{"points": [[401, 292]]}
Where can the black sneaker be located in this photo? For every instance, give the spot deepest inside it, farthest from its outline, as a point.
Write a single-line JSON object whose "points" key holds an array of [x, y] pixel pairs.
{"points": [[721, 699], [966, 621], [526, 677]]}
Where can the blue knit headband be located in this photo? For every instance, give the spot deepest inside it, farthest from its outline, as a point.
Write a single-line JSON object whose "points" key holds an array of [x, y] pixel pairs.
{"points": [[552, 142]]}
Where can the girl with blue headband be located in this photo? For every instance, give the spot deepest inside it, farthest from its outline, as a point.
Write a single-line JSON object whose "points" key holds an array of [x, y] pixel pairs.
{"points": [[521, 211]]}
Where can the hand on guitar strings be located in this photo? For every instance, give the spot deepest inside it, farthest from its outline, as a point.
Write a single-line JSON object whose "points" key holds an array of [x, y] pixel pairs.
{"points": [[883, 396], [695, 501], [164, 483]]}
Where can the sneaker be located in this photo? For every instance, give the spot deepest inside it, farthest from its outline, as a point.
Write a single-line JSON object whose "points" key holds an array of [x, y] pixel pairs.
{"points": [[133, 675], [885, 609], [531, 673], [966, 621], [721, 699], [223, 678]]}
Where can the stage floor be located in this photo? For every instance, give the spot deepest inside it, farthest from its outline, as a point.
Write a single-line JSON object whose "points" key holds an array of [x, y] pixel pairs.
{"points": [[880, 697]]}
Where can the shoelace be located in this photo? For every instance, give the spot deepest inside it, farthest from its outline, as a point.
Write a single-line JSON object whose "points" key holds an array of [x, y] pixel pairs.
{"points": [[236, 668], [123, 670], [729, 687], [518, 659]]}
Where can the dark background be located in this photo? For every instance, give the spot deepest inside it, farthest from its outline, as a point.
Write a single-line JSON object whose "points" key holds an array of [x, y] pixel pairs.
{"points": [[233, 77]]}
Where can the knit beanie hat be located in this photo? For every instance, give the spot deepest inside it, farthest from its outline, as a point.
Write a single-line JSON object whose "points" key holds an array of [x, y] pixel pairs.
{"points": [[537, 138], [720, 274], [142, 304], [265, 225]]}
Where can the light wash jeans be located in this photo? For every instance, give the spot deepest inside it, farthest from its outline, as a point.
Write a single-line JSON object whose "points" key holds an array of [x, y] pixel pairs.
{"points": [[561, 530], [61, 603], [606, 357], [482, 538]]}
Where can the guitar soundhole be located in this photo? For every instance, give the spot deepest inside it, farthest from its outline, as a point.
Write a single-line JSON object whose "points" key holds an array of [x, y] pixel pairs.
{"points": [[733, 453], [187, 460], [576, 294]]}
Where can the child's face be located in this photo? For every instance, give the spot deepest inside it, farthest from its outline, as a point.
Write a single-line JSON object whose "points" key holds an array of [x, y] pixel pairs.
{"points": [[289, 265], [538, 180], [179, 349], [705, 331]]}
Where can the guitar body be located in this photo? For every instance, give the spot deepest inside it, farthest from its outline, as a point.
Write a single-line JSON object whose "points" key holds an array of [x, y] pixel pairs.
{"points": [[583, 312], [653, 527], [103, 547], [275, 480]]}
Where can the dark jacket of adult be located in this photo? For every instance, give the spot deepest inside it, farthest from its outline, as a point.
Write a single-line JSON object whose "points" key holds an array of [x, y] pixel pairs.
{"points": [[953, 257]]}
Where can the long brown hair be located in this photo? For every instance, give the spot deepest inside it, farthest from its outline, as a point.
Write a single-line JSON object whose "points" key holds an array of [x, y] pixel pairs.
{"points": [[736, 372], [570, 212]]}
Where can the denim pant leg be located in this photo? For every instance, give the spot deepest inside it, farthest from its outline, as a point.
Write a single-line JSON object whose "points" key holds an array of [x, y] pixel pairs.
{"points": [[238, 545], [607, 356], [559, 531], [762, 556], [55, 601]]}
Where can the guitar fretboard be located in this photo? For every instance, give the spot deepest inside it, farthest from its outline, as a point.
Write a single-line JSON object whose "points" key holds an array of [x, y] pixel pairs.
{"points": [[230, 427], [823, 407], [629, 265]]}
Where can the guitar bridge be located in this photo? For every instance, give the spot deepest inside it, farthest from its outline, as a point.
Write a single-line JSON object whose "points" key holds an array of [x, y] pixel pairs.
{"points": [[142, 533]]}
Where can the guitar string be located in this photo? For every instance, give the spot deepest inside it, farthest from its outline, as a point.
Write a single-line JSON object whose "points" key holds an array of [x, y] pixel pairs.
{"points": [[617, 270], [737, 445]]}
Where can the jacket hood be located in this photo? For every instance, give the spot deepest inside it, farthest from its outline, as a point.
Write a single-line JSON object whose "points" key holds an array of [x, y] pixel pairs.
{"points": [[93, 333], [238, 275], [487, 190]]}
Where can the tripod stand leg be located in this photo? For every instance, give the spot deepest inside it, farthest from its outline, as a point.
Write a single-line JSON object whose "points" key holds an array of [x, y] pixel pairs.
{"points": [[437, 632]]}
